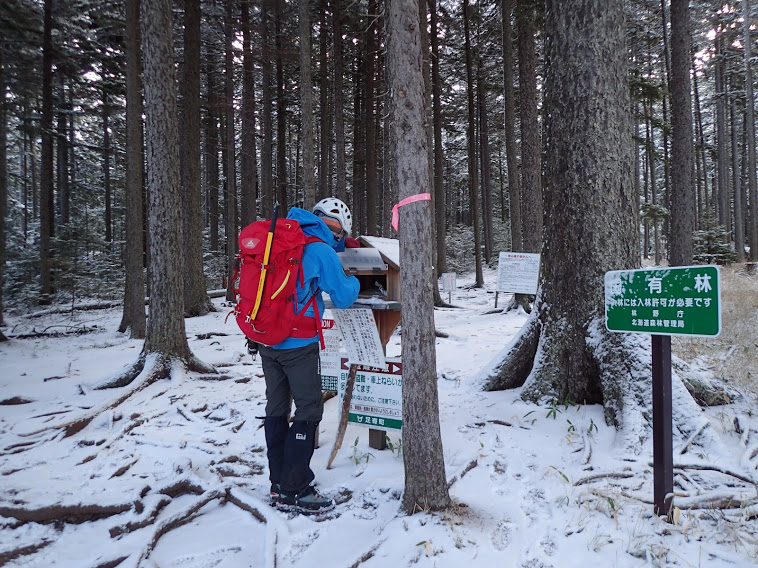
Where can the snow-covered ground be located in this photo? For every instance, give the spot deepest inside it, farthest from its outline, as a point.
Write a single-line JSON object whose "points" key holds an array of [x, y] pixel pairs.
{"points": [[176, 475]]}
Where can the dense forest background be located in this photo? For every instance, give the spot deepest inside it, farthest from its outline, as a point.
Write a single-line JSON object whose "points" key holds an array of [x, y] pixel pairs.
{"points": [[287, 101]]}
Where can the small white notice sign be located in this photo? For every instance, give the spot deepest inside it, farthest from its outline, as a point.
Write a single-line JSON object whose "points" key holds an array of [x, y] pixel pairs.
{"points": [[360, 336], [448, 281], [518, 272]]}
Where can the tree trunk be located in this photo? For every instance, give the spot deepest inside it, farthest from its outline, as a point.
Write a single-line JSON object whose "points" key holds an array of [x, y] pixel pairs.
{"points": [[3, 178], [231, 163], [134, 294], [196, 301], [750, 120], [721, 147], [440, 204], [248, 154], [564, 351], [682, 224], [514, 191], [340, 188], [64, 187], [323, 164], [531, 185], [281, 111], [484, 160], [739, 226], [425, 482], [473, 178], [368, 107], [267, 150], [165, 329], [107, 167], [307, 139], [211, 156], [46, 161]]}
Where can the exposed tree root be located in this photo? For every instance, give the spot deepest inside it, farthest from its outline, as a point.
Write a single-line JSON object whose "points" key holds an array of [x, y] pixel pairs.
{"points": [[607, 475], [704, 467], [67, 331], [516, 360], [178, 520], [72, 514], [10, 555], [148, 519]]}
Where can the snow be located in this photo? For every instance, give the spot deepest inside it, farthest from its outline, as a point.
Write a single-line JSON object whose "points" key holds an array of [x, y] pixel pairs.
{"points": [[192, 449]]}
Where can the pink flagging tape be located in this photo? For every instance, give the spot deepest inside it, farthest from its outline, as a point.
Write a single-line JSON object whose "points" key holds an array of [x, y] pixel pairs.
{"points": [[407, 201]]}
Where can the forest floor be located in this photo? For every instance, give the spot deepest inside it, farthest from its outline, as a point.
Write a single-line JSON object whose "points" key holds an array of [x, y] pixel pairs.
{"points": [[175, 474]]}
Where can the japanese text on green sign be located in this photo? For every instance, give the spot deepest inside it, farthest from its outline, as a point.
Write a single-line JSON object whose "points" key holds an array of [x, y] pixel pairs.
{"points": [[664, 301]]}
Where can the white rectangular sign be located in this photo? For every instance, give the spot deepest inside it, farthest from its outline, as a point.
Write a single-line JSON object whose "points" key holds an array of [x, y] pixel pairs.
{"points": [[448, 281], [360, 336], [331, 355], [518, 272], [377, 394]]}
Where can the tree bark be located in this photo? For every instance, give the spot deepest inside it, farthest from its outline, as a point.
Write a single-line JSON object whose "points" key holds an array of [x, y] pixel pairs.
{"points": [[281, 111], [750, 121], [231, 155], [196, 301], [682, 223], [307, 139], [134, 294], [3, 178], [425, 481], [531, 185], [106, 167], [248, 153], [739, 226], [165, 329], [46, 161], [473, 177], [340, 187], [267, 149], [440, 205], [368, 107], [564, 352], [514, 191]]}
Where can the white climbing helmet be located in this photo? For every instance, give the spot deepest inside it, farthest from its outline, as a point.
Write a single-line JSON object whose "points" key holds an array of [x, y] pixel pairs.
{"points": [[335, 209]]}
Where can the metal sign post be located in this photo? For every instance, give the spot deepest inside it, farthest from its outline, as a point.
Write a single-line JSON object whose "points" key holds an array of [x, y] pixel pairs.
{"points": [[664, 302]]}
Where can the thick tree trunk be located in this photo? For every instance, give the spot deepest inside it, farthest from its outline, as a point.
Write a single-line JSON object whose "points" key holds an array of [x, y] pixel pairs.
{"points": [[134, 293], [425, 482], [196, 301], [682, 223], [564, 352], [739, 226], [165, 329], [484, 160], [514, 191], [531, 185]]}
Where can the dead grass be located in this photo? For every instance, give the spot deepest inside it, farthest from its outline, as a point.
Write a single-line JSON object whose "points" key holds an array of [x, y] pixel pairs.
{"points": [[733, 355]]}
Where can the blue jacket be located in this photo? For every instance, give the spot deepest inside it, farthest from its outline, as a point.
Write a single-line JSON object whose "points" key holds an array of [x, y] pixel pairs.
{"points": [[322, 271]]}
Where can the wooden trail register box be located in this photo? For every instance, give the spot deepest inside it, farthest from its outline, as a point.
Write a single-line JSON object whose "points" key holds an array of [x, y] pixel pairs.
{"points": [[376, 265]]}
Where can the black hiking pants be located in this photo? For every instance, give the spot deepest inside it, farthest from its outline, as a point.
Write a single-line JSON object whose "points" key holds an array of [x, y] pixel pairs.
{"points": [[291, 374]]}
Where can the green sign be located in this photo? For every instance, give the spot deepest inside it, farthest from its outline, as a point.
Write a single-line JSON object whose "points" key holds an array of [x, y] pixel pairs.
{"points": [[377, 394], [682, 300]]}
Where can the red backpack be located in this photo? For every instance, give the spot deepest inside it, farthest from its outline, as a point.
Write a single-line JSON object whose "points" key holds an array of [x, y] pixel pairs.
{"points": [[266, 293]]}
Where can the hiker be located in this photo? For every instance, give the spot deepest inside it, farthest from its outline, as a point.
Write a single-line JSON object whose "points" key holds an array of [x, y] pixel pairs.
{"points": [[291, 368]]}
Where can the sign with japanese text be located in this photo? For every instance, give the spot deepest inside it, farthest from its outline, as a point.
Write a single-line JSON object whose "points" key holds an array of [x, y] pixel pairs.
{"points": [[518, 272], [360, 336], [331, 355], [682, 300], [377, 394]]}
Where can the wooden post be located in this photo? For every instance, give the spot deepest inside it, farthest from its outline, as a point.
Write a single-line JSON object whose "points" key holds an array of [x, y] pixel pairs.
{"points": [[663, 458]]}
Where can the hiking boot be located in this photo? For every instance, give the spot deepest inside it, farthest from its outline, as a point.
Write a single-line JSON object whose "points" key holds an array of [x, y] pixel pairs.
{"points": [[274, 493], [308, 502]]}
